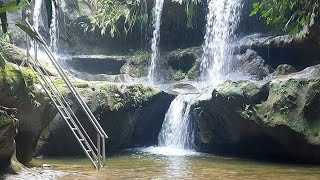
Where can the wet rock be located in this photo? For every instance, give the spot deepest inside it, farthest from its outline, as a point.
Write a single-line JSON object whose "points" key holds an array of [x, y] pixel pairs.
{"points": [[131, 115], [285, 69], [7, 143], [97, 64], [253, 65], [184, 88], [277, 50], [34, 110], [181, 64], [278, 119]]}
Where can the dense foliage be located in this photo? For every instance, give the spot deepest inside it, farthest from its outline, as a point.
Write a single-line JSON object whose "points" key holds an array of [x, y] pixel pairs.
{"points": [[109, 15], [289, 15], [190, 8]]}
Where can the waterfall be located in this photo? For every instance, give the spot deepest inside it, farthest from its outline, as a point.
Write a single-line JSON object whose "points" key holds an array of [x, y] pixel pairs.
{"points": [[37, 14], [143, 23], [157, 10], [54, 29], [222, 21], [177, 130]]}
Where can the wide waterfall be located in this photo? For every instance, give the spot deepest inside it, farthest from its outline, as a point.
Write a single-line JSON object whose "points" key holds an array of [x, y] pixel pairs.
{"points": [[222, 22], [157, 10]]}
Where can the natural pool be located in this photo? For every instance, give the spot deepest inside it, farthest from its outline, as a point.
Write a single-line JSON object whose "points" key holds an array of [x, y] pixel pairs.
{"points": [[146, 165]]}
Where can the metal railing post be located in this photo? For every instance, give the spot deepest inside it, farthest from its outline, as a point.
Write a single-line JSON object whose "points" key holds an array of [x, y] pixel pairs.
{"points": [[104, 150], [99, 150]]}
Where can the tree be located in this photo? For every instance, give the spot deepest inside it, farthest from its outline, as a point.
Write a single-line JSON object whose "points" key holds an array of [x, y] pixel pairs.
{"points": [[289, 15]]}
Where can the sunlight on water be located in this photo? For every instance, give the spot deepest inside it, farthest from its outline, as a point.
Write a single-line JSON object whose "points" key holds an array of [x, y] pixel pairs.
{"points": [[140, 165], [168, 151]]}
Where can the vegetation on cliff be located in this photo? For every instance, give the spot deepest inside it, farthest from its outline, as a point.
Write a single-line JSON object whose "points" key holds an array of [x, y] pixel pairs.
{"points": [[288, 15]]}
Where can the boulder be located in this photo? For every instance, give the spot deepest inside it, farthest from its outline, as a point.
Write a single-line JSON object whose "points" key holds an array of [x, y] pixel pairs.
{"points": [[278, 119], [252, 65], [285, 49], [34, 111], [131, 115], [284, 69]]}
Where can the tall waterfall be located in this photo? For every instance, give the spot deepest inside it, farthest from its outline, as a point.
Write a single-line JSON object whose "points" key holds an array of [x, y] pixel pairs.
{"points": [[143, 23], [177, 130], [54, 29], [37, 14], [157, 10], [222, 21]]}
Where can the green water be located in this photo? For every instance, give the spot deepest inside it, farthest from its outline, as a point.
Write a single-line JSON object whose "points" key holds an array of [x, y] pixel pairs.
{"points": [[201, 166]]}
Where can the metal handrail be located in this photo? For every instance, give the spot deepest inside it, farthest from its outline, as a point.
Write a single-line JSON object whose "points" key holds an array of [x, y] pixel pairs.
{"points": [[101, 135]]}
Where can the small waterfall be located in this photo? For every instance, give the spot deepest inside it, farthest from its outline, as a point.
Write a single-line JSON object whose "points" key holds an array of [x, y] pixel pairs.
{"points": [[54, 35], [177, 130], [143, 23], [37, 20], [157, 10], [222, 21]]}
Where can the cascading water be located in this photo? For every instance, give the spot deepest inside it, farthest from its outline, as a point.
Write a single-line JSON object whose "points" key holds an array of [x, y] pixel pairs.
{"points": [[176, 130], [54, 29], [157, 10], [143, 23], [37, 14], [222, 21]]}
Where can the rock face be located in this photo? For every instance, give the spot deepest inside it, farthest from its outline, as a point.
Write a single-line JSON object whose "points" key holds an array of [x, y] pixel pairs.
{"points": [[7, 144], [277, 50], [131, 115], [34, 111], [252, 65], [277, 119]]}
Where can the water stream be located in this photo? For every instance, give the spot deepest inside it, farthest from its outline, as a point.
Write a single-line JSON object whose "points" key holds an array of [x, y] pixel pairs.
{"points": [[222, 21], [54, 35], [157, 10], [177, 130], [37, 18]]}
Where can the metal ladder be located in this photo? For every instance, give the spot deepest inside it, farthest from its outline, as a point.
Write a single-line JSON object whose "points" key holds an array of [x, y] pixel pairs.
{"points": [[96, 153]]}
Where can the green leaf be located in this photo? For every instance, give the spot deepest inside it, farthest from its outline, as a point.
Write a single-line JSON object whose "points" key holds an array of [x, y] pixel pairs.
{"points": [[33, 35], [11, 7]]}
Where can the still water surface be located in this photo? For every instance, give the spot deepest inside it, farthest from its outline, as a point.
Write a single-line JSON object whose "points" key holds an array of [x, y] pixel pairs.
{"points": [[142, 165]]}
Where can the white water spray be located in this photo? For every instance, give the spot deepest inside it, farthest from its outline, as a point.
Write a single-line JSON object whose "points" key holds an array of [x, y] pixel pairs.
{"points": [[222, 21], [37, 14], [177, 130], [157, 10], [54, 29]]}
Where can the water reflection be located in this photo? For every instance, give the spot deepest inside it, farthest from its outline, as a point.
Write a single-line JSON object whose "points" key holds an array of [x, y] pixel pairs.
{"points": [[142, 165], [176, 167]]}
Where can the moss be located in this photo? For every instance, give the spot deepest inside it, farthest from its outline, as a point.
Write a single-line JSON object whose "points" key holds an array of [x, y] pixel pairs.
{"points": [[5, 120], [81, 85], [193, 73], [58, 82], [176, 75], [30, 75], [117, 97]]}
